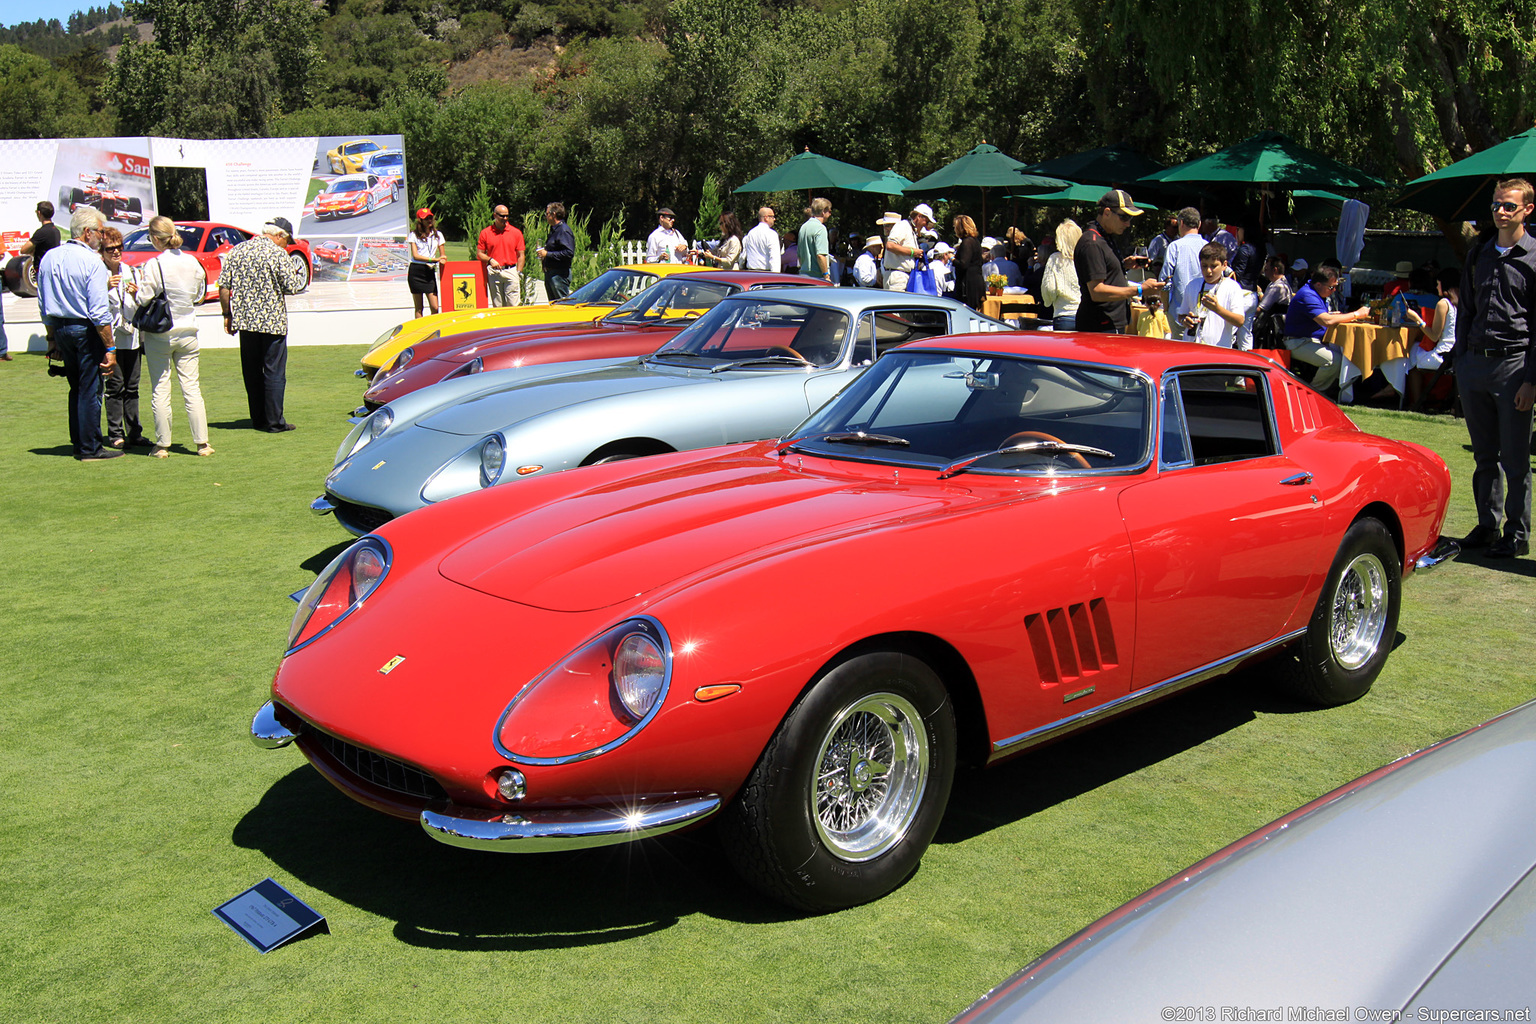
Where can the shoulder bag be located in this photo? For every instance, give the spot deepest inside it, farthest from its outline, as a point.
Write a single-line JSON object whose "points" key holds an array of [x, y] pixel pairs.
{"points": [[154, 317]]}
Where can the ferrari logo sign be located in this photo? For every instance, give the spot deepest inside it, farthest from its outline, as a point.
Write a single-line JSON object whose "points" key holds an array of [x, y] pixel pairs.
{"points": [[461, 293]]}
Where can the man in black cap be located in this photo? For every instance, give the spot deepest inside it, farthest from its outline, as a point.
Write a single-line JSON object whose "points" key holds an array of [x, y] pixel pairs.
{"points": [[256, 275], [1106, 302], [666, 244]]}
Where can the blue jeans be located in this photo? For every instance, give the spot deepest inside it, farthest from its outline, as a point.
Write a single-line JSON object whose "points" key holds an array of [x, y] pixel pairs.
{"points": [[81, 347], [1065, 323]]}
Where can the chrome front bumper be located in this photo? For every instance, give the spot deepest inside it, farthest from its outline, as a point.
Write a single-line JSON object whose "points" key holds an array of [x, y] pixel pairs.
{"points": [[1444, 550], [544, 830], [267, 731], [322, 506]]}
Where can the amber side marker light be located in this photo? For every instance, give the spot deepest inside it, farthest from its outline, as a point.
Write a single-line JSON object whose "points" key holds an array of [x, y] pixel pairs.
{"points": [[525, 470], [708, 693]]}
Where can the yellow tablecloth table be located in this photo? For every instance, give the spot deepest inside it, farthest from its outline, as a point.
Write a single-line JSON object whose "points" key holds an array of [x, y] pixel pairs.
{"points": [[994, 305], [1370, 345]]}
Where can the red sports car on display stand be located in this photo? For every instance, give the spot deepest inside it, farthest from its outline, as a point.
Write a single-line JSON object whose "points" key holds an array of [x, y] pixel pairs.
{"points": [[209, 242], [638, 326], [982, 543]]}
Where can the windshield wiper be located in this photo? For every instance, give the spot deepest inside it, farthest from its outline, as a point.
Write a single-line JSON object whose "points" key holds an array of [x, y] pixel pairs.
{"points": [[961, 465], [763, 360], [667, 357], [848, 437]]}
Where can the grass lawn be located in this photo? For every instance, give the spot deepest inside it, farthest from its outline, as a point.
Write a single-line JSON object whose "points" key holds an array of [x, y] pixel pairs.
{"points": [[145, 610]]}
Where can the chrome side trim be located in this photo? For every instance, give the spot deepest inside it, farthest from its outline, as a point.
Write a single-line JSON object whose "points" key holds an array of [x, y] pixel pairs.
{"points": [[322, 506], [543, 831], [267, 732], [1144, 695], [1444, 550]]}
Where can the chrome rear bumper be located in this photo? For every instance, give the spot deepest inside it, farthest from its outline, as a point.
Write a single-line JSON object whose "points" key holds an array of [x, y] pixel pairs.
{"points": [[543, 830], [1444, 550]]}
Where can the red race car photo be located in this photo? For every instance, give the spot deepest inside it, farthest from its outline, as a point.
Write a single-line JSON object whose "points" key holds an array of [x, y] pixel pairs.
{"points": [[981, 544], [209, 242], [356, 194], [97, 190], [638, 326], [332, 251]]}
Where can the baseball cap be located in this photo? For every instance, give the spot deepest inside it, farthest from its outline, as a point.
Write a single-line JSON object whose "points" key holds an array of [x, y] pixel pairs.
{"points": [[423, 213], [282, 224], [1119, 200]]}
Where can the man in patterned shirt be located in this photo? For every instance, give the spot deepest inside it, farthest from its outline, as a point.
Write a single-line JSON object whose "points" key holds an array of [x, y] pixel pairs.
{"points": [[257, 274]]}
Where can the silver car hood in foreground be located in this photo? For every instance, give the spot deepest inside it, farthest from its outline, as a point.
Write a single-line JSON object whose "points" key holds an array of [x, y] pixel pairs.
{"points": [[1409, 888]]}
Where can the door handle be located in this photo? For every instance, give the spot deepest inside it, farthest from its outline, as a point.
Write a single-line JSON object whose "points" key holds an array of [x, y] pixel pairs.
{"points": [[1299, 480]]}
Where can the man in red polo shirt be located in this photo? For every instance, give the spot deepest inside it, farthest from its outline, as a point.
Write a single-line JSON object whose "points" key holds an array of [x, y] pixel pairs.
{"points": [[501, 252]]}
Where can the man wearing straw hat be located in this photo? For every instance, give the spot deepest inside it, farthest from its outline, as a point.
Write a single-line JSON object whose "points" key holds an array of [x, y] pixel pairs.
{"points": [[901, 248]]}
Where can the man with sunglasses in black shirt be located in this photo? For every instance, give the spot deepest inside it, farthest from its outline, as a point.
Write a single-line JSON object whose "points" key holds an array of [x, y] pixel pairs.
{"points": [[1106, 302], [1496, 371]]}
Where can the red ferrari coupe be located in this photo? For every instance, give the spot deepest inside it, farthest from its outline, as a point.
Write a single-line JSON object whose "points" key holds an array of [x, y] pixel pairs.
{"points": [[982, 543], [209, 242], [639, 326]]}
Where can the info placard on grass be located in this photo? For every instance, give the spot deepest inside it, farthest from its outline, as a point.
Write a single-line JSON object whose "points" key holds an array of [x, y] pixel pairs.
{"points": [[266, 915]]}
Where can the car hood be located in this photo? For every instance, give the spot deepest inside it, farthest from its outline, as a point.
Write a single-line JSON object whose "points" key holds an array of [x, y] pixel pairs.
{"points": [[523, 400], [609, 543]]}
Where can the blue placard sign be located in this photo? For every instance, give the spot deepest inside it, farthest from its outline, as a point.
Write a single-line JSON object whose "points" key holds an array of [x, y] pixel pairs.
{"points": [[266, 915]]}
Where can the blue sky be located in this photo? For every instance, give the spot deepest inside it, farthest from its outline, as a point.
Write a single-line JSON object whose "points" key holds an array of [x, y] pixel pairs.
{"points": [[13, 12]]}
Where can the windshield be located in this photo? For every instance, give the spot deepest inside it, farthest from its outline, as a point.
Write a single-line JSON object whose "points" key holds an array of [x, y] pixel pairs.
{"points": [[386, 160], [672, 298], [361, 147], [348, 185], [931, 409], [757, 330], [611, 288], [138, 241]]}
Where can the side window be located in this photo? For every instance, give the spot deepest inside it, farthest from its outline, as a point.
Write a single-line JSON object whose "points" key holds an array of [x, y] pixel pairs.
{"points": [[1225, 417], [1175, 442], [897, 326]]}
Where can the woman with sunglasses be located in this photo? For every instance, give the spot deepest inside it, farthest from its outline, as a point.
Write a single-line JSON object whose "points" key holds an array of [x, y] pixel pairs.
{"points": [[121, 388], [426, 244]]}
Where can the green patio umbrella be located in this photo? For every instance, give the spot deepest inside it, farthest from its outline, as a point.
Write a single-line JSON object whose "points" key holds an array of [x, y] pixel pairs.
{"points": [[1086, 195], [1106, 166], [982, 168], [1462, 190], [810, 171], [1268, 158], [887, 183]]}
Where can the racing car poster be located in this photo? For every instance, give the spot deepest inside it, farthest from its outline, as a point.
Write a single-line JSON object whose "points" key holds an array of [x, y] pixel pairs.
{"points": [[357, 187]]}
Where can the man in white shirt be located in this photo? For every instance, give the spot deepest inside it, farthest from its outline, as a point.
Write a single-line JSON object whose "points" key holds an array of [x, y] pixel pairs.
{"points": [[760, 250], [866, 269], [901, 248], [666, 244]]}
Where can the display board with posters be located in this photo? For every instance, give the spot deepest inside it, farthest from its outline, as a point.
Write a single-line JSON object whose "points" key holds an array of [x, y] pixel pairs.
{"points": [[344, 194]]}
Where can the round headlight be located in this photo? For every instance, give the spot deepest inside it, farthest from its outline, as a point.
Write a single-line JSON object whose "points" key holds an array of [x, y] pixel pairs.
{"points": [[639, 670], [493, 459], [381, 420], [345, 584], [402, 360]]}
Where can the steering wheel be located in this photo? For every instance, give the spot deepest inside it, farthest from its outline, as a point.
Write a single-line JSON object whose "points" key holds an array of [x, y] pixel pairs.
{"points": [[1040, 435], [785, 350]]}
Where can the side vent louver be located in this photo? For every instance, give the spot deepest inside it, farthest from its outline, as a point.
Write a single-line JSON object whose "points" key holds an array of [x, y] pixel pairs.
{"points": [[1072, 642]]}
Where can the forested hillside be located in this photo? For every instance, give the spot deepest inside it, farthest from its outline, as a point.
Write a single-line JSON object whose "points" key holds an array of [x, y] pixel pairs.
{"points": [[611, 106]]}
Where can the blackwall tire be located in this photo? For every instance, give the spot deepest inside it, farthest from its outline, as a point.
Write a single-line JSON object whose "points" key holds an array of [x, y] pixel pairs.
{"points": [[845, 799]]}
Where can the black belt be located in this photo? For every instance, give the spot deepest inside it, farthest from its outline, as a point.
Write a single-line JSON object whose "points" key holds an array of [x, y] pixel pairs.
{"points": [[71, 320], [1502, 350]]}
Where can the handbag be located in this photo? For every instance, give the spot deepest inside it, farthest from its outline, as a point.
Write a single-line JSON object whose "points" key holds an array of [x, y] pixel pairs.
{"points": [[154, 317], [921, 279]]}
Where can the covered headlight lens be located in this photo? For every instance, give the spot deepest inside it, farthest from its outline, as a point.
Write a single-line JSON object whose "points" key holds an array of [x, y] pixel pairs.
{"points": [[381, 420], [475, 365], [493, 459], [596, 698], [402, 360], [384, 338], [638, 671], [336, 592], [368, 431]]}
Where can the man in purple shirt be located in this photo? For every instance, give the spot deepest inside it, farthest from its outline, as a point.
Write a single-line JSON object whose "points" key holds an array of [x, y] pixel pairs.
{"points": [[72, 299]]}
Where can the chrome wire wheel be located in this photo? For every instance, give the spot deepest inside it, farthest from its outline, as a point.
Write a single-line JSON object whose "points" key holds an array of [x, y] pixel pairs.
{"points": [[871, 770], [1358, 619]]}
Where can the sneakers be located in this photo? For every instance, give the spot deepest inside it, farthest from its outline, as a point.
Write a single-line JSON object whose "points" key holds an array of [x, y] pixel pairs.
{"points": [[102, 456]]}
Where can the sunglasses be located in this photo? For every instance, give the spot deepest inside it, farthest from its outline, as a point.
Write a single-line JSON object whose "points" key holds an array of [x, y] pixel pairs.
{"points": [[113, 248], [1506, 207]]}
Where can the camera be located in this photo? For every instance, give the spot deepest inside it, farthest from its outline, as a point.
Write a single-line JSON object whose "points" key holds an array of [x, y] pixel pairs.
{"points": [[56, 369]]}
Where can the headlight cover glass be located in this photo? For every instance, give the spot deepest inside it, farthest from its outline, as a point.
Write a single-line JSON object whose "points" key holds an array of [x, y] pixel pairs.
{"points": [[593, 700], [493, 459], [475, 365], [385, 337], [337, 592], [402, 360], [378, 421]]}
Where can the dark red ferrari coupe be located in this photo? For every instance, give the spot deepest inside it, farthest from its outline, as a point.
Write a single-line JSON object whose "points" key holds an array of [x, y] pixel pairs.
{"points": [[640, 325], [982, 543]]}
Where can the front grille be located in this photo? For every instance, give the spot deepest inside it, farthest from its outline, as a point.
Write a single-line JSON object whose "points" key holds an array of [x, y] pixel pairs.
{"points": [[362, 518], [381, 771]]}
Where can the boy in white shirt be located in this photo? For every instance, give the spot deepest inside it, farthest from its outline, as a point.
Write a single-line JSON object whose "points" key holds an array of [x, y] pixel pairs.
{"points": [[1216, 303]]}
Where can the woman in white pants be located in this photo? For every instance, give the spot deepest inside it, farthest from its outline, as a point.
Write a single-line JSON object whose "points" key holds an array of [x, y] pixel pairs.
{"points": [[184, 282]]}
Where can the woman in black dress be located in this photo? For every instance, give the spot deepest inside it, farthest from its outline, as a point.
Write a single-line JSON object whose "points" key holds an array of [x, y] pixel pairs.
{"points": [[969, 287]]}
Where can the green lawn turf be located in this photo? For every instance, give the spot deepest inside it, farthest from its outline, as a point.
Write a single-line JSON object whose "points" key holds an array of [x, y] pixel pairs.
{"points": [[145, 609]]}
